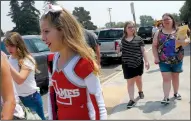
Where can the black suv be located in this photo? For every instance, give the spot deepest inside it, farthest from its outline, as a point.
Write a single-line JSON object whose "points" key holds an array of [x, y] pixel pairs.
{"points": [[146, 33]]}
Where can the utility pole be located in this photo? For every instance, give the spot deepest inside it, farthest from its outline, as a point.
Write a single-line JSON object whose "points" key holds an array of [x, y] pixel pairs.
{"points": [[133, 13], [109, 9]]}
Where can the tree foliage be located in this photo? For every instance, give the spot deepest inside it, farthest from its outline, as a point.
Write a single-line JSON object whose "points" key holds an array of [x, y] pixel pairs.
{"points": [[25, 17], [185, 11], [84, 18], [117, 25], [146, 20], [15, 14], [176, 17]]}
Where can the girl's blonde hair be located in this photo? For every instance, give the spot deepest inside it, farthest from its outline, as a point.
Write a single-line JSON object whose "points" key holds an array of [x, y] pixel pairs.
{"points": [[72, 34], [15, 39], [125, 29]]}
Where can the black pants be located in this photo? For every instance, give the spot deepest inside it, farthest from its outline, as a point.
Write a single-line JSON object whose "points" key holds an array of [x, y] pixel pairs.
{"points": [[130, 72]]}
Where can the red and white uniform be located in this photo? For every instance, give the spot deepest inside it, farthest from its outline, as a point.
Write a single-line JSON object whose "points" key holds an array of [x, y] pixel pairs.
{"points": [[77, 90]]}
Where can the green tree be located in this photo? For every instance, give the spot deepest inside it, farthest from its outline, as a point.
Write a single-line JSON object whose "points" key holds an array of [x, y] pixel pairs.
{"points": [[84, 18], [15, 14], [146, 20], [119, 25], [116, 25], [176, 17], [89, 25], [110, 25], [185, 12], [2, 34], [29, 18]]}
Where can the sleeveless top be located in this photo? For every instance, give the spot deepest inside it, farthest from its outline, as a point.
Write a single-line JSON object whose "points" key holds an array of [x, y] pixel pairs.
{"points": [[167, 51]]}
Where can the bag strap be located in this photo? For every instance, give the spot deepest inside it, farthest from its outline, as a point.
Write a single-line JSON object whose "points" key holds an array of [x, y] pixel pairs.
{"points": [[160, 47], [21, 104]]}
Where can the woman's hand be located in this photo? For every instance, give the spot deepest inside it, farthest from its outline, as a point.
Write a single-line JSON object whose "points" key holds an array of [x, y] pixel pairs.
{"points": [[147, 65], [157, 61], [183, 41], [3, 54]]}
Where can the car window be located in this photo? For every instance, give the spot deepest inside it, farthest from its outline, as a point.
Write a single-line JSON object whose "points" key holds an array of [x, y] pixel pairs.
{"points": [[27, 43], [3, 48], [110, 34], [40, 45], [29, 46], [145, 29]]}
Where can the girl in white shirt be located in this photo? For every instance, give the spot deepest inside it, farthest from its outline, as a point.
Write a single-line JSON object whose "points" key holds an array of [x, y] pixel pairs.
{"points": [[23, 68]]}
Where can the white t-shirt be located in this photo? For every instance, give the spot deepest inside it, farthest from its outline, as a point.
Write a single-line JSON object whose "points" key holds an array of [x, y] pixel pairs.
{"points": [[154, 30], [18, 109], [29, 86]]}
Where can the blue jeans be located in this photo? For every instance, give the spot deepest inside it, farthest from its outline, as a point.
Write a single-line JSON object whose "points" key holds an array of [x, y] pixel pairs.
{"points": [[34, 102], [175, 68]]}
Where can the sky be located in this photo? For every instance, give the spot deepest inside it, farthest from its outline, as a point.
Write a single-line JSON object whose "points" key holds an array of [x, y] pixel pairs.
{"points": [[120, 11]]}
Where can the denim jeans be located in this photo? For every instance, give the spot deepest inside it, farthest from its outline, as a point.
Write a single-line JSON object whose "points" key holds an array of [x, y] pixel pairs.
{"points": [[34, 102], [175, 68]]}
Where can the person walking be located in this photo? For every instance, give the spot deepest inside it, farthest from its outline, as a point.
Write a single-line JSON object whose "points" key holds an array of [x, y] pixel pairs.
{"points": [[169, 58], [133, 52], [23, 68], [92, 41], [74, 90]]}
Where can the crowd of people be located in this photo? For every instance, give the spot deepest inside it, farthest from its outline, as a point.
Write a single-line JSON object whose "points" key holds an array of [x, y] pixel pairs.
{"points": [[74, 88]]}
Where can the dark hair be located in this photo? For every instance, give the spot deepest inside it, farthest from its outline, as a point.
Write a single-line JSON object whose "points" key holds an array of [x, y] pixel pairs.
{"points": [[173, 20], [124, 29]]}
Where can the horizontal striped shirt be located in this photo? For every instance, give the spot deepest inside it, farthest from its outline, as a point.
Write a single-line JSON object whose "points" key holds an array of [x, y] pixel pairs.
{"points": [[131, 52]]}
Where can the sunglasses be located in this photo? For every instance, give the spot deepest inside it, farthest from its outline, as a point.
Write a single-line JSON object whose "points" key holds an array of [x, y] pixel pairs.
{"points": [[130, 27]]}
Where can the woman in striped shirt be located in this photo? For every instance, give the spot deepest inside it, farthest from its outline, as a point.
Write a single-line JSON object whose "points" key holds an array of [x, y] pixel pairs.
{"points": [[133, 52]]}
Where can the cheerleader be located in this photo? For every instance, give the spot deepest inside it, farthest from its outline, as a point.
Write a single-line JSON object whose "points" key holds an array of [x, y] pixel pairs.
{"points": [[74, 90]]}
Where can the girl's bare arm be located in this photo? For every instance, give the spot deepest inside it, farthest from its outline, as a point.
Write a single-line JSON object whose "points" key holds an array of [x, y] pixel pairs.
{"points": [[154, 45], [7, 91]]}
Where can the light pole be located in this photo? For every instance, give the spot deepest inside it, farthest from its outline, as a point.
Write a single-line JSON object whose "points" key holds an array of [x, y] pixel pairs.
{"points": [[109, 9], [133, 12]]}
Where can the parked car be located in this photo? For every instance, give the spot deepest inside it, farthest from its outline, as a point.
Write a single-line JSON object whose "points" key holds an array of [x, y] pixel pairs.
{"points": [[146, 34], [96, 32], [110, 43], [42, 55]]}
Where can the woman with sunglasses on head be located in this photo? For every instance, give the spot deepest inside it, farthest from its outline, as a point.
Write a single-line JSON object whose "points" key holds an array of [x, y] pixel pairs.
{"points": [[74, 78], [169, 58], [133, 52]]}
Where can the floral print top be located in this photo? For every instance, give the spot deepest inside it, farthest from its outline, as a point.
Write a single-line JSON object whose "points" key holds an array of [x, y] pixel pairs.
{"points": [[167, 51]]}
